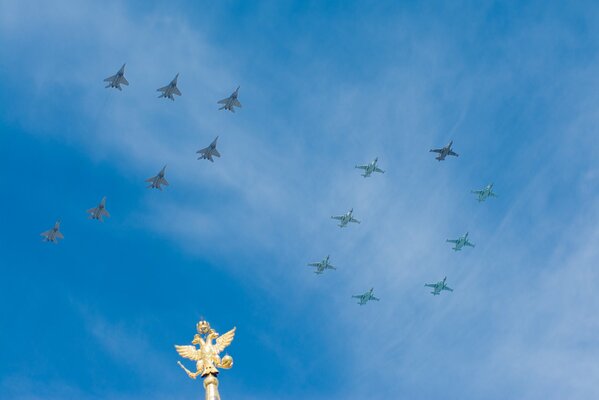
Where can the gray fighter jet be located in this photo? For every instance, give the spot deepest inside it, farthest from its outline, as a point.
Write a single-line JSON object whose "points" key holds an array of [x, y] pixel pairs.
{"points": [[158, 180], [321, 266], [230, 101], [370, 168], [208, 152], [53, 234], [444, 152], [366, 297], [115, 81], [170, 90], [484, 193], [346, 218], [460, 242], [438, 287], [99, 211]]}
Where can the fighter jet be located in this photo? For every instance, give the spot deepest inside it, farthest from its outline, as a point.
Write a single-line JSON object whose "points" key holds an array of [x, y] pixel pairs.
{"points": [[370, 168], [230, 101], [99, 211], [115, 81], [444, 152], [485, 193], [170, 90], [438, 287], [366, 297], [346, 218], [53, 234], [460, 242], [321, 266], [158, 180], [208, 152]]}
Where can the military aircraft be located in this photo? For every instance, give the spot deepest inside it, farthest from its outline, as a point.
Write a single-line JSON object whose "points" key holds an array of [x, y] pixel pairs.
{"points": [[366, 297], [322, 265], [208, 152], [115, 81], [370, 168], [158, 180], [230, 101], [438, 287], [53, 234], [460, 242], [99, 211], [444, 152], [484, 193], [346, 218], [170, 90]]}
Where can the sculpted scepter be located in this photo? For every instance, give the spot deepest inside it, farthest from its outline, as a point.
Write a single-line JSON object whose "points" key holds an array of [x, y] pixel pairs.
{"points": [[207, 356]]}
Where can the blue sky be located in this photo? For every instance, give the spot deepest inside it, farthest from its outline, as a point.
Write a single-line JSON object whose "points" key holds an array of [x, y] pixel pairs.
{"points": [[324, 86]]}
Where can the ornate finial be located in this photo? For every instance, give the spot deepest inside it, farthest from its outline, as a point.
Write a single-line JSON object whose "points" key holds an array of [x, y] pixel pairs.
{"points": [[207, 356]]}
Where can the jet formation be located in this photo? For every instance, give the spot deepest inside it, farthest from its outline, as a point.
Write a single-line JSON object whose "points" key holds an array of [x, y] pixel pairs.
{"points": [[444, 152], [346, 218], [99, 211], [322, 266], [208, 152], [365, 297], [170, 90], [484, 193], [158, 180], [438, 287], [460, 242], [370, 168], [230, 102], [53, 234]]}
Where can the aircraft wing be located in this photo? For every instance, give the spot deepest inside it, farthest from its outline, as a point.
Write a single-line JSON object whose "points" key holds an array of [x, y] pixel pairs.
{"points": [[338, 217], [452, 241], [124, 81], [358, 296], [215, 153], [176, 91], [354, 220], [150, 179], [448, 289], [479, 192], [162, 89], [364, 167], [203, 151], [430, 285], [436, 151], [106, 213], [375, 298], [110, 78], [164, 181], [468, 244], [59, 235], [314, 265], [92, 210], [377, 169], [45, 234], [453, 153], [223, 101]]}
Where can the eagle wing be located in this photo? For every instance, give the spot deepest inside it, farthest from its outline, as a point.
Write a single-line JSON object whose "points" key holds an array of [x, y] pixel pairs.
{"points": [[223, 341], [189, 352]]}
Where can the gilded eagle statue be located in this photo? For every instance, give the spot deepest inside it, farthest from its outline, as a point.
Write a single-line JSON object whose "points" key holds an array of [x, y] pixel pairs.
{"points": [[207, 356]]}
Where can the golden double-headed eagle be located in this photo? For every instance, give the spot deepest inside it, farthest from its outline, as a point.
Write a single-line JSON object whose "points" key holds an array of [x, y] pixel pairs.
{"points": [[207, 356]]}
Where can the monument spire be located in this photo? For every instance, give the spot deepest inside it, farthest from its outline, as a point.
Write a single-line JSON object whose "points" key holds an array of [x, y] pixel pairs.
{"points": [[207, 356]]}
